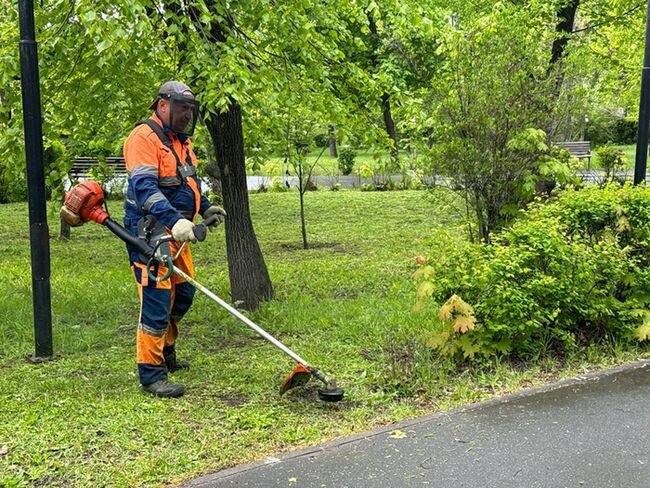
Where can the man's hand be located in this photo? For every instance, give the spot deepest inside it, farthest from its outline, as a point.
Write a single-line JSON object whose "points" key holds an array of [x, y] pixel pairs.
{"points": [[215, 210], [183, 231]]}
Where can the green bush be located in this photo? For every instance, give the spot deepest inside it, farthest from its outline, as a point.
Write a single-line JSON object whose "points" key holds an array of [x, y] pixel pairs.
{"points": [[625, 131], [609, 158], [346, 160], [608, 129], [278, 185], [566, 274], [13, 186]]}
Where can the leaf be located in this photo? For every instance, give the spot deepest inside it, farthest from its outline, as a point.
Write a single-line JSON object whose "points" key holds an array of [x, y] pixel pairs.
{"points": [[436, 340], [425, 289], [105, 44], [468, 347], [464, 323], [642, 332], [456, 307], [397, 434]]}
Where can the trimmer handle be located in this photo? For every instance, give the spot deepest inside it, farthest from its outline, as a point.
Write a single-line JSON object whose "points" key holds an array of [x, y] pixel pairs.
{"points": [[201, 230]]}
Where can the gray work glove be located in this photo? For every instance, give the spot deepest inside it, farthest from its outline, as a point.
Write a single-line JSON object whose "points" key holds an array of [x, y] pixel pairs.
{"points": [[183, 231], [215, 210]]}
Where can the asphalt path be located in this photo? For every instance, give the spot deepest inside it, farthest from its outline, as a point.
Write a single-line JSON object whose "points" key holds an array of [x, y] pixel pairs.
{"points": [[589, 431]]}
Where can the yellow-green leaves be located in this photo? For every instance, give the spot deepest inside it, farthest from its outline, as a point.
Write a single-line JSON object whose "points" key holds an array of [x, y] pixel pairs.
{"points": [[642, 332], [459, 313]]}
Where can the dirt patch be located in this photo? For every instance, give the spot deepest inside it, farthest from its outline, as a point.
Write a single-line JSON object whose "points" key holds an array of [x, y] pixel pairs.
{"points": [[334, 246], [232, 399]]}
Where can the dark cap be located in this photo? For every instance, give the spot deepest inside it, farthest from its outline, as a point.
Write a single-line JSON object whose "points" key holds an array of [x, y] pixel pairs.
{"points": [[168, 88]]}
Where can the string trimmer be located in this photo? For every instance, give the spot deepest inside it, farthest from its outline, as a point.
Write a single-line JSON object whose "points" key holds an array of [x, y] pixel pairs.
{"points": [[85, 203]]}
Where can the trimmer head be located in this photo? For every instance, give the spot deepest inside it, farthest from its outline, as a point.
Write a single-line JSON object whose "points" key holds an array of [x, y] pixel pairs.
{"points": [[330, 394], [301, 375]]}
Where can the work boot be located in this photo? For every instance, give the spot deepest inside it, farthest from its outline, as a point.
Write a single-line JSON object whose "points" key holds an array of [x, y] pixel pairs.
{"points": [[164, 389], [171, 362]]}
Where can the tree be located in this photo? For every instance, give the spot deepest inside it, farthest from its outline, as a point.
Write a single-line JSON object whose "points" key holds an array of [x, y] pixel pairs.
{"points": [[490, 95]]}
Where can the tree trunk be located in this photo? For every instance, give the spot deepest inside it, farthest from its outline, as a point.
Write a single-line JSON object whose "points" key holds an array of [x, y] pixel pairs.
{"points": [[302, 187], [249, 277], [566, 15], [332, 141], [305, 244], [389, 123], [566, 18]]}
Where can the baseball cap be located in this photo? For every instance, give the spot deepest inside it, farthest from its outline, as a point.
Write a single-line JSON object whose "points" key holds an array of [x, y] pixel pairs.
{"points": [[168, 88]]}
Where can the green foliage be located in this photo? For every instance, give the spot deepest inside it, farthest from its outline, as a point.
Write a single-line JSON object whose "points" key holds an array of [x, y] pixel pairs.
{"points": [[346, 160], [488, 108], [365, 170], [13, 184], [606, 129], [568, 273], [610, 159], [278, 185]]}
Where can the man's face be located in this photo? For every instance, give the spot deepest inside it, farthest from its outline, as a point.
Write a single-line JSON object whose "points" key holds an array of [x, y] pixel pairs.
{"points": [[179, 113], [183, 114]]}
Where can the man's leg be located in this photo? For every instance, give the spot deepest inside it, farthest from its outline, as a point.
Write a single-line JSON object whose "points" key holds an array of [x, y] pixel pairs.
{"points": [[182, 296], [155, 299]]}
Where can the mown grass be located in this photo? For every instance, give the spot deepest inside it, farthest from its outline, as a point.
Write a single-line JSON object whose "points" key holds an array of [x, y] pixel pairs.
{"points": [[344, 305]]}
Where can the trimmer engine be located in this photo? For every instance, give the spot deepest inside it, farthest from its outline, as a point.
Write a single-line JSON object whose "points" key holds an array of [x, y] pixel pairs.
{"points": [[83, 203]]}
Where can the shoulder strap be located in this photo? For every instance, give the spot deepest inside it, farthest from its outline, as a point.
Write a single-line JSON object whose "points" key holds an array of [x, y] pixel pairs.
{"points": [[164, 138]]}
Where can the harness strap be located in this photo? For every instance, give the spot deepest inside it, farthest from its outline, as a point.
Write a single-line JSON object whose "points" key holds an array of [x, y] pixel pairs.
{"points": [[182, 172]]}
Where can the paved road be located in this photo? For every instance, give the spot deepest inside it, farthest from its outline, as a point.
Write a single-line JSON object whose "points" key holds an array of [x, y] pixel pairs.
{"points": [[591, 431]]}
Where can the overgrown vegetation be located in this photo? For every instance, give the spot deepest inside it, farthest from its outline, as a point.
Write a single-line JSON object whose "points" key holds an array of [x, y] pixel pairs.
{"points": [[566, 275], [610, 159]]}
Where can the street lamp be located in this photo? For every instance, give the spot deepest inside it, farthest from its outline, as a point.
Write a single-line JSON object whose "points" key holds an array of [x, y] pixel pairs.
{"points": [[38, 231], [644, 110]]}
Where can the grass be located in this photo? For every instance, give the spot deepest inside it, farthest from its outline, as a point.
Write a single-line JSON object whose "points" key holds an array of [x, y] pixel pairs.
{"points": [[344, 305]]}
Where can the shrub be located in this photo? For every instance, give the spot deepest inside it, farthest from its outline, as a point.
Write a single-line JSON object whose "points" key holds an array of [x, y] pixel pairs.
{"points": [[567, 273], [604, 129], [609, 159], [625, 131], [278, 185], [346, 160]]}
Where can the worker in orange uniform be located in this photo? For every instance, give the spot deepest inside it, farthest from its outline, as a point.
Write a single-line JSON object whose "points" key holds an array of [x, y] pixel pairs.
{"points": [[164, 190]]}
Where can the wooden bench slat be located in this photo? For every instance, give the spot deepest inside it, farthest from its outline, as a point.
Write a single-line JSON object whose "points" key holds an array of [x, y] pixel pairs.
{"points": [[579, 149], [81, 165]]}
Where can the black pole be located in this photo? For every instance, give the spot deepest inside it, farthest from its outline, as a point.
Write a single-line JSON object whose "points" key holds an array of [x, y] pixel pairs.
{"points": [[38, 230], [644, 110]]}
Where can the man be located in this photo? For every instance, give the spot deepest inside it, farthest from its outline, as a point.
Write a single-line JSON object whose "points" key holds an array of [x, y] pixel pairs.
{"points": [[163, 190]]}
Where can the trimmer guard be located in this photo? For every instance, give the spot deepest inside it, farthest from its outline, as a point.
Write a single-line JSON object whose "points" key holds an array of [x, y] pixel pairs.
{"points": [[298, 377]]}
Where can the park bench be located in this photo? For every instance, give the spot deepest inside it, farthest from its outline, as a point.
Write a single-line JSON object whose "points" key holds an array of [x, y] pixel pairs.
{"points": [[81, 166], [577, 149]]}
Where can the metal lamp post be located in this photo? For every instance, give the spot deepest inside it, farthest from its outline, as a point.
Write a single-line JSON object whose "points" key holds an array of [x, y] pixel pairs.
{"points": [[38, 230], [644, 110]]}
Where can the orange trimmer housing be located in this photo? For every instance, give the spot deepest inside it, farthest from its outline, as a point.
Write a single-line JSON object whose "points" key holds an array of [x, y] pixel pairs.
{"points": [[86, 200]]}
